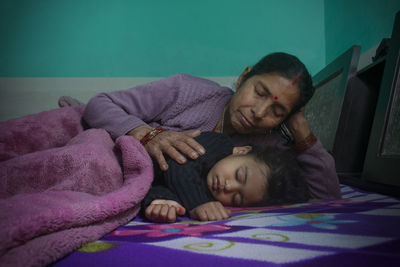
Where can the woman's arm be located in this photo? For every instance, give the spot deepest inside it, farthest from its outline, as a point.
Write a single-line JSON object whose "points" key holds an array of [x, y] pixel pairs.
{"points": [[298, 126], [317, 163], [121, 111], [135, 111]]}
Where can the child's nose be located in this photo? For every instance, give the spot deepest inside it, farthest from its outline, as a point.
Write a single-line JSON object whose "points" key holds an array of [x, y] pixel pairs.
{"points": [[230, 186]]}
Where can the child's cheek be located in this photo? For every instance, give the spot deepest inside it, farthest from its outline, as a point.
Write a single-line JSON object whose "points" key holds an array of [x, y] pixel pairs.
{"points": [[224, 199]]}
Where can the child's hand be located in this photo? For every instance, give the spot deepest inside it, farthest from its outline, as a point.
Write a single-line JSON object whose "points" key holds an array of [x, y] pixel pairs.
{"points": [[210, 211], [161, 210]]}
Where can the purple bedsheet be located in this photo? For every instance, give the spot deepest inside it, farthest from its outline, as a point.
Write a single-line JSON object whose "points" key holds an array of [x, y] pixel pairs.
{"points": [[362, 229]]}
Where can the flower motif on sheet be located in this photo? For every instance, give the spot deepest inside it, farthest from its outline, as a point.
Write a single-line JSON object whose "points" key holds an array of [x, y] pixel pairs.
{"points": [[271, 237], [163, 230], [317, 220], [212, 245], [97, 246]]}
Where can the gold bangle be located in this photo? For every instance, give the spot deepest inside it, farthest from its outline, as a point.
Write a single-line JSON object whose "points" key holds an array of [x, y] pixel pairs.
{"points": [[150, 135], [308, 142]]}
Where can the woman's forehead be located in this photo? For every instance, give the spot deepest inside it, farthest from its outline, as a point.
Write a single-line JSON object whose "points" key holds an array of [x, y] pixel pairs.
{"points": [[283, 90]]}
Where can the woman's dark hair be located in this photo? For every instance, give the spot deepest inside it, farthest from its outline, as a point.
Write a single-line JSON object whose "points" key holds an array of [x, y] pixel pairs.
{"points": [[289, 67], [286, 182]]}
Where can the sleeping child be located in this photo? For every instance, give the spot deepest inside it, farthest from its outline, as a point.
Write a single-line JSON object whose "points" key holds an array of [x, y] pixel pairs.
{"points": [[224, 176]]}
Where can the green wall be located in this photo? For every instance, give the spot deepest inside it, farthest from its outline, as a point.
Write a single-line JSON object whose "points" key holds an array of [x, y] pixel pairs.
{"points": [[121, 38], [357, 22], [131, 38]]}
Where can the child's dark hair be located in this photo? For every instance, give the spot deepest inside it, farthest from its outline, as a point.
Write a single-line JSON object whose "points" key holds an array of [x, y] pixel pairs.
{"points": [[286, 182]]}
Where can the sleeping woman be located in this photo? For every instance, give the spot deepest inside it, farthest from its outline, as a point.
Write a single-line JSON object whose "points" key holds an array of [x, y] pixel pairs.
{"points": [[265, 109]]}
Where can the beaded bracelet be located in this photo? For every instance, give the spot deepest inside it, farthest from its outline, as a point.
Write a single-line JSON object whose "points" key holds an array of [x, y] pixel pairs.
{"points": [[150, 135], [308, 142]]}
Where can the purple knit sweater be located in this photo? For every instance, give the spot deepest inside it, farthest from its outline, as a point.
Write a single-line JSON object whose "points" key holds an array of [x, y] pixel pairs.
{"points": [[183, 102]]}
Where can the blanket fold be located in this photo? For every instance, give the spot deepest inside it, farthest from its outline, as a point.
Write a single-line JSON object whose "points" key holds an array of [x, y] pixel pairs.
{"points": [[61, 194]]}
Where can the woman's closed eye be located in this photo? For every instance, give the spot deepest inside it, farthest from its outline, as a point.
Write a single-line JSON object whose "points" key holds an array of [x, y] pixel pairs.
{"points": [[277, 114], [258, 92]]}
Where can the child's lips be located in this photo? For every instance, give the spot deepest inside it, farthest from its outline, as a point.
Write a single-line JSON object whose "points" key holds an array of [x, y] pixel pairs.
{"points": [[216, 183]]}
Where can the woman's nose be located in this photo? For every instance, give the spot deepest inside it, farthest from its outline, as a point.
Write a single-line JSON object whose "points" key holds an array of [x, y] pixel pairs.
{"points": [[260, 109]]}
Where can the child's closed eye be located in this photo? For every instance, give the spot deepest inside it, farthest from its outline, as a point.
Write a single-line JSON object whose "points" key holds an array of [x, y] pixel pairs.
{"points": [[241, 174]]}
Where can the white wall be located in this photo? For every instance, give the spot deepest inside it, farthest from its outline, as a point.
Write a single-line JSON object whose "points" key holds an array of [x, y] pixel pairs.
{"points": [[22, 96]]}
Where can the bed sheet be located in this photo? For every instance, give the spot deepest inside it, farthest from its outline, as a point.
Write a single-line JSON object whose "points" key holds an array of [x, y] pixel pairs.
{"points": [[361, 229]]}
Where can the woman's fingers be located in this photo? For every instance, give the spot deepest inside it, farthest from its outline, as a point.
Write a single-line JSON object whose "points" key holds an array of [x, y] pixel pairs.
{"points": [[190, 147], [199, 149], [175, 145], [193, 134], [156, 153], [171, 150]]}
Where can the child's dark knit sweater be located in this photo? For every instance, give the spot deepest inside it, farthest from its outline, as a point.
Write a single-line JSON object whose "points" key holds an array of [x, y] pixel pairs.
{"points": [[186, 183]]}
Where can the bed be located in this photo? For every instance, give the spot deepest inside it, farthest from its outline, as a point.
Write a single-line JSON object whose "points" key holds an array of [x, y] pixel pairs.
{"points": [[69, 222], [361, 229]]}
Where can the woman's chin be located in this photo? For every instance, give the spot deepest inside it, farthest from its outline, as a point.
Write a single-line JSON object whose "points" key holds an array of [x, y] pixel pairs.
{"points": [[243, 130]]}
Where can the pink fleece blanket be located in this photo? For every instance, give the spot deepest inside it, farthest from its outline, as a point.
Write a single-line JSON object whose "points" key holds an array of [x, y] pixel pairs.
{"points": [[61, 186]]}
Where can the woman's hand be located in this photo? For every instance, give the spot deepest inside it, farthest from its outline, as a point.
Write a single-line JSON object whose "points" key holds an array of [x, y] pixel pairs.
{"points": [[170, 142], [298, 126], [164, 211], [210, 211]]}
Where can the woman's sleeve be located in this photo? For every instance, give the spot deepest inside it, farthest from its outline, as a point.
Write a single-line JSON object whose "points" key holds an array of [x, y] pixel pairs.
{"points": [[121, 111], [317, 164], [320, 172]]}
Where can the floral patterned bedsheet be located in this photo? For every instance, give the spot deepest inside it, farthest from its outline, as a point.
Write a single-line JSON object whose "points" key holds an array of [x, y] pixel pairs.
{"points": [[361, 229]]}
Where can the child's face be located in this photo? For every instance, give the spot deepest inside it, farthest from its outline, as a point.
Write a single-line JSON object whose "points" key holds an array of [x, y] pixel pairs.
{"points": [[238, 180]]}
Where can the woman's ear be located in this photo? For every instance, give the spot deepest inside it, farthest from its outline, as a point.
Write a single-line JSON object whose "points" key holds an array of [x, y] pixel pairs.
{"points": [[241, 150], [240, 79]]}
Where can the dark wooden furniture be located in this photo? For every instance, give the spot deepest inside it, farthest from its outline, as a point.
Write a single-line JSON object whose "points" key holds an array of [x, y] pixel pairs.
{"points": [[376, 88], [382, 162], [332, 111], [356, 115]]}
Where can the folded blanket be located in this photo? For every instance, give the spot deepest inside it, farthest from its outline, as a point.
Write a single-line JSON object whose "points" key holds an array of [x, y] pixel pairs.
{"points": [[40, 131], [61, 194]]}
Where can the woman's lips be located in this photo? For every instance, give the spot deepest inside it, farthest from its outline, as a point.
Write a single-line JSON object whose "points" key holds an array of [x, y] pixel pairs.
{"points": [[246, 122]]}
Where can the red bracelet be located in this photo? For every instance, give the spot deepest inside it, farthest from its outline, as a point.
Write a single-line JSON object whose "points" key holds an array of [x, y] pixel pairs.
{"points": [[150, 135], [308, 142]]}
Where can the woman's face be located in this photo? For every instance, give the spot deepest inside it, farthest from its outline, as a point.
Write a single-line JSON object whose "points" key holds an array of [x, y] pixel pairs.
{"points": [[262, 102]]}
